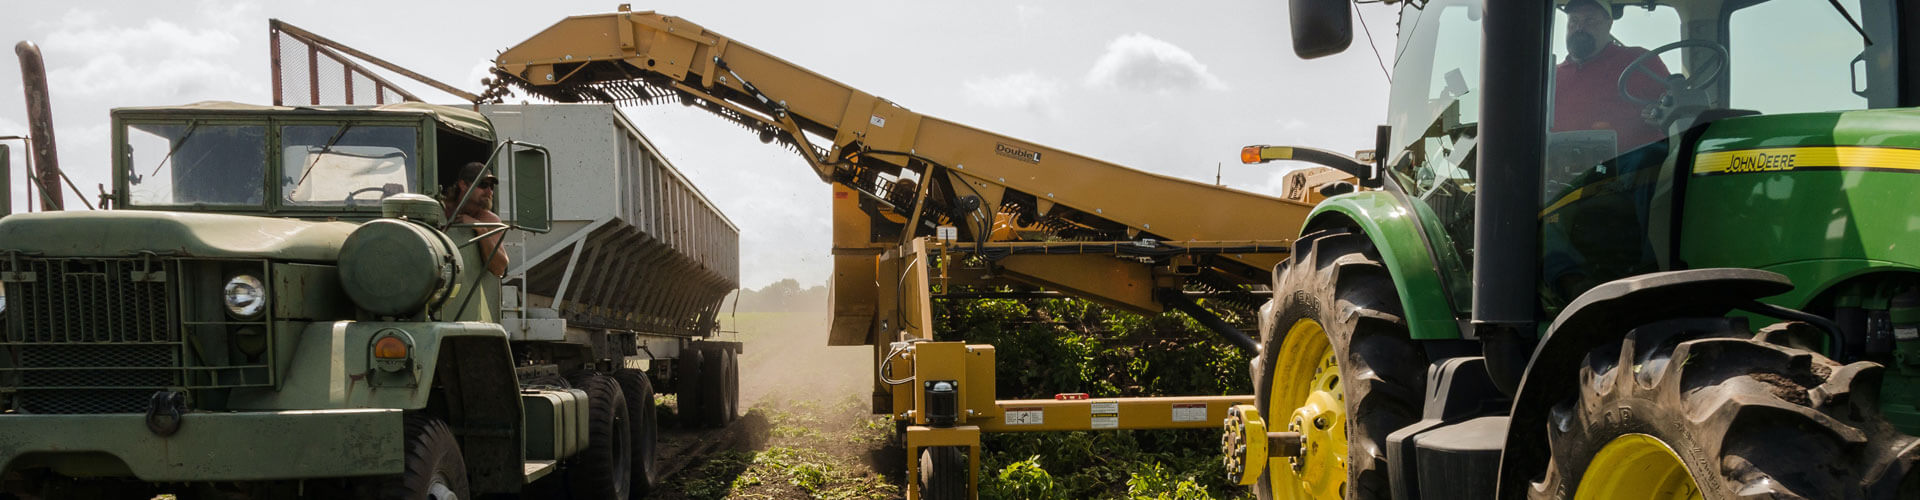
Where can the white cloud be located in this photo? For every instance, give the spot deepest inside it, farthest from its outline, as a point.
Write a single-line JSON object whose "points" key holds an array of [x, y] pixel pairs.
{"points": [[1144, 63], [1026, 90], [1028, 15], [160, 60]]}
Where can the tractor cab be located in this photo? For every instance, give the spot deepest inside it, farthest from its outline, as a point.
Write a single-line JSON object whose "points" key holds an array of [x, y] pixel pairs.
{"points": [[1630, 87]]}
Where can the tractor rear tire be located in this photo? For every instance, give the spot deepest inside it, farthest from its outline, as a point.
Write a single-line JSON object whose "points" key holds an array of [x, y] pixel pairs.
{"points": [[1334, 298], [603, 469], [1736, 418], [434, 470], [646, 429], [943, 473], [689, 379]]}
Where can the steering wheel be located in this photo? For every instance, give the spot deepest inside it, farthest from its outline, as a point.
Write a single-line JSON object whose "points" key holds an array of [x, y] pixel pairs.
{"points": [[1714, 66], [386, 190]]}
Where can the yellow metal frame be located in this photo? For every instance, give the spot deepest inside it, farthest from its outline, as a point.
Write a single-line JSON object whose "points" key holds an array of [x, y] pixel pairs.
{"points": [[920, 436], [895, 248]]}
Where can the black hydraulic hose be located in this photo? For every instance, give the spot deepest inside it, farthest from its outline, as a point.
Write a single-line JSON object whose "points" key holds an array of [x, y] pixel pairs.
{"points": [[1179, 301], [1834, 335]]}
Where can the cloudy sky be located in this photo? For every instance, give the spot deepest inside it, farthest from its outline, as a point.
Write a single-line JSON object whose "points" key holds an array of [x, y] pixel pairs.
{"points": [[1173, 90]]}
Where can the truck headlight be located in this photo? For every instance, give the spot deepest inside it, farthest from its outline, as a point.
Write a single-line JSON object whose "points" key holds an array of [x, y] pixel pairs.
{"points": [[245, 297]]}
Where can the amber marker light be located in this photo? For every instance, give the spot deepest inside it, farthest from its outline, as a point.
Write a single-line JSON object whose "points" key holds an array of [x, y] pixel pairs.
{"points": [[1251, 155], [390, 348]]}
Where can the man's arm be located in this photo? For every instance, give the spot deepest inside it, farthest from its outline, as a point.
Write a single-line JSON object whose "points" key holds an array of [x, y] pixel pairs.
{"points": [[489, 245]]}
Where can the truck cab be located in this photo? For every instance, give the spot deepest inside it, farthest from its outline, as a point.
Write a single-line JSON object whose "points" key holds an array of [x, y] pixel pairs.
{"points": [[276, 295]]}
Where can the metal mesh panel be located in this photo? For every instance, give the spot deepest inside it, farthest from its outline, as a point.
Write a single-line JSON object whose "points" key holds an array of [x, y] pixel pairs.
{"points": [[311, 75], [78, 300]]}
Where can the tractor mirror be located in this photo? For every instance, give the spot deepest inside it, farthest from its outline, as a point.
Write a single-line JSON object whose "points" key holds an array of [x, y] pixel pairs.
{"points": [[1320, 27], [532, 188]]}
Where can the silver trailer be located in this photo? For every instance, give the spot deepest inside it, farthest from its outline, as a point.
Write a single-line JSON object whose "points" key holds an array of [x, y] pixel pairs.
{"points": [[639, 263]]}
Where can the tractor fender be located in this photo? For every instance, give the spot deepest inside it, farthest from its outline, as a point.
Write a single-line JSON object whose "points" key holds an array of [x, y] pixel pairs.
{"points": [[1394, 230], [1604, 315]]}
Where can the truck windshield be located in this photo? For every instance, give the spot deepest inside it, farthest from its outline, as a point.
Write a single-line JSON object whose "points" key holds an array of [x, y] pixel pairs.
{"points": [[172, 164], [346, 165]]}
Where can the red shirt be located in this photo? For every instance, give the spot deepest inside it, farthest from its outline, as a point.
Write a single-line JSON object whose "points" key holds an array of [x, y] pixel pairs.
{"points": [[1586, 95]]}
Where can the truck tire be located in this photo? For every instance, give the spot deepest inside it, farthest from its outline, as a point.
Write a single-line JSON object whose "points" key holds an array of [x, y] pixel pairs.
{"points": [[435, 469], [1338, 367], [603, 470], [689, 375], [943, 473], [646, 430], [1722, 418], [733, 385], [712, 408]]}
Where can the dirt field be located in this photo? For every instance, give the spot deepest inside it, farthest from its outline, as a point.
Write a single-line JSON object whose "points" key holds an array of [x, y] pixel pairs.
{"points": [[807, 432]]}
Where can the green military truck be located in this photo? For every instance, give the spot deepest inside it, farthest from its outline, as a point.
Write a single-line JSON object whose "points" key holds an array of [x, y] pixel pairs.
{"points": [[277, 305]]}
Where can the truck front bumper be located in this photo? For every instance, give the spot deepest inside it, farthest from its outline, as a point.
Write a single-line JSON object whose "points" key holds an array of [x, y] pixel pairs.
{"points": [[238, 446]]}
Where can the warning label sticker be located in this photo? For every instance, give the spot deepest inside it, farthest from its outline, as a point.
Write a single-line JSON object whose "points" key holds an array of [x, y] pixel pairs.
{"points": [[1025, 415], [1189, 412], [1106, 421], [1107, 408]]}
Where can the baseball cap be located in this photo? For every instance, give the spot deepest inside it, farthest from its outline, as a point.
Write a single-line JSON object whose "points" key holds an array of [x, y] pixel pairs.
{"points": [[472, 169], [1605, 5]]}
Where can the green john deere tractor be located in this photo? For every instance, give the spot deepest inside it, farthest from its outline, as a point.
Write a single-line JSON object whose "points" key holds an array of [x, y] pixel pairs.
{"points": [[1619, 249]]}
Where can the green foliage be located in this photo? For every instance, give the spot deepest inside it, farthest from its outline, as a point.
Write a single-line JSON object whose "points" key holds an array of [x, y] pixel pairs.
{"points": [[1051, 346]]}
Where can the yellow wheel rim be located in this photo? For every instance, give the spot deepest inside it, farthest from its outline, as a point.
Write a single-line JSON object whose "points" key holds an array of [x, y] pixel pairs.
{"points": [[1306, 392], [1636, 466]]}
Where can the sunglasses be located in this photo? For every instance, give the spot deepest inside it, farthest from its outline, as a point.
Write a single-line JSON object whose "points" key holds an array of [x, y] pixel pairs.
{"points": [[487, 184]]}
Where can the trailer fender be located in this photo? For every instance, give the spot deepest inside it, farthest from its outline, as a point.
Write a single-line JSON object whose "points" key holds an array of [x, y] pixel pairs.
{"points": [[1604, 315], [1394, 231]]}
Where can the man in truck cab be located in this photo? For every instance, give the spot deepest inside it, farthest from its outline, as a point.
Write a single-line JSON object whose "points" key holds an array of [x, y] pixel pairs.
{"points": [[478, 208], [1586, 93]]}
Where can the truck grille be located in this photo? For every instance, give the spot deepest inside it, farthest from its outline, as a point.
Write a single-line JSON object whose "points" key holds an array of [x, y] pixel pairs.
{"points": [[76, 301], [89, 335]]}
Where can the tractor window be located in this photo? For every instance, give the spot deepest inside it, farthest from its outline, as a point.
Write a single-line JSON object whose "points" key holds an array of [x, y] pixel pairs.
{"points": [[1813, 70], [346, 165], [182, 164], [1435, 118]]}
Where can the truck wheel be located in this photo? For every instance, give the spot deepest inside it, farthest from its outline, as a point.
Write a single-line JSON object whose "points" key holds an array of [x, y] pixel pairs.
{"points": [[1338, 367], [733, 385], [689, 374], [640, 415], [713, 409], [1722, 418], [943, 473], [604, 469], [435, 470]]}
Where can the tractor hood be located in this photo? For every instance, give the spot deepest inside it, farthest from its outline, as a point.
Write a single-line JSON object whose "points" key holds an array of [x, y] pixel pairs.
{"points": [[120, 233], [1876, 128]]}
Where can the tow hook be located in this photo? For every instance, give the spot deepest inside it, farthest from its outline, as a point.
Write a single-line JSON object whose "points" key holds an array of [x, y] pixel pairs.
{"points": [[1246, 445], [163, 412]]}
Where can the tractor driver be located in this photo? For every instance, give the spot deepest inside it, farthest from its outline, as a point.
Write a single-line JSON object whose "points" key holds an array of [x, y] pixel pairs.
{"points": [[1586, 93], [478, 209]]}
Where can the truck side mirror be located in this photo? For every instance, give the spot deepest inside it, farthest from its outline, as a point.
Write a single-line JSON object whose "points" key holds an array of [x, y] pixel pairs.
{"points": [[532, 189], [1320, 27]]}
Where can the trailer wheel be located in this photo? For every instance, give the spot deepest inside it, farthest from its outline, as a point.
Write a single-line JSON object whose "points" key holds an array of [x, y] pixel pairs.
{"points": [[646, 429], [1723, 418], [604, 469], [689, 374], [435, 469], [943, 473], [1338, 367], [733, 385], [713, 408]]}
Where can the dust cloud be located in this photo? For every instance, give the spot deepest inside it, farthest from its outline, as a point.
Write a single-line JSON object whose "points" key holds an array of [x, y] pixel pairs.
{"points": [[784, 329]]}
